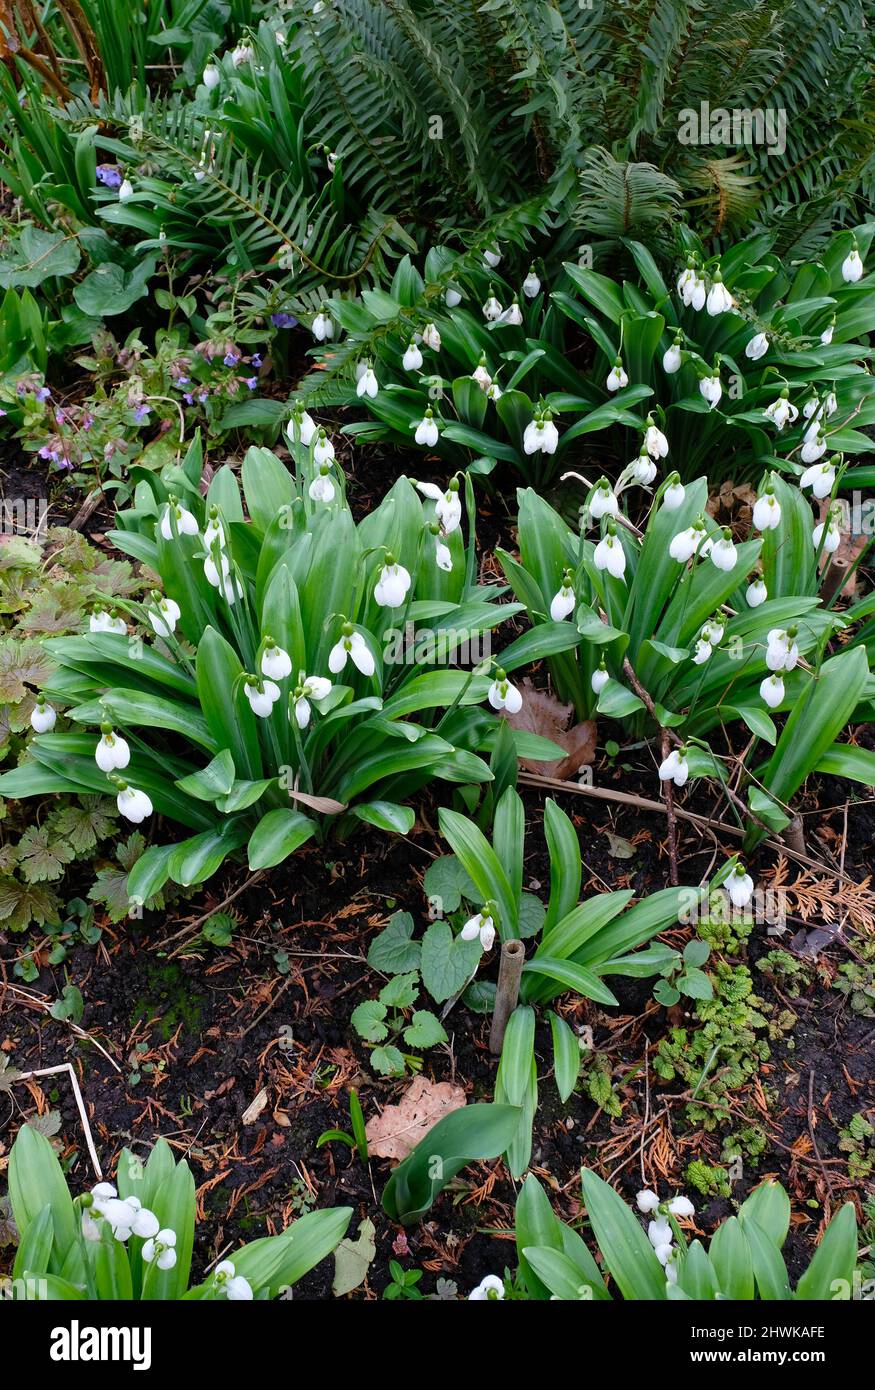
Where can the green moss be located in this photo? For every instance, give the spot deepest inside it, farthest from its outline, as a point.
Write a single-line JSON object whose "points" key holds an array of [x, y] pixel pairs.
{"points": [[167, 997]]}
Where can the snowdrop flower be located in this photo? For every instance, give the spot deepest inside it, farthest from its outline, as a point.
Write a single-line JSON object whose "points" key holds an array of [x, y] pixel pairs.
{"points": [[431, 337], [276, 663], [212, 76], [448, 505], [830, 403], [134, 805], [452, 298], [781, 411], [617, 377], [321, 489], [541, 435], [531, 284], [756, 593], [214, 531], [165, 616], [694, 291], [102, 621], [492, 257], [241, 54], [427, 431], [719, 299], [262, 696], [102, 1193], [218, 575], [826, 335], [772, 691], [186, 524], [367, 384], [739, 885], [603, 501], [833, 537], [685, 544], [442, 557], [301, 427], [659, 1232], [713, 630], [480, 925], [675, 767], [671, 361], [488, 1290], [767, 510], [813, 449], [492, 309], [160, 1248], [757, 347], [42, 716], [610, 555], [674, 494], [820, 477], [481, 375], [502, 695], [647, 1201], [563, 602], [331, 161], [810, 406], [643, 469], [664, 1252], [412, 359], [711, 389], [308, 688], [352, 645], [112, 752], [323, 449], [686, 277], [392, 586], [852, 266], [681, 1207], [233, 1286], [493, 391], [129, 1217], [703, 651], [512, 315], [322, 327], [655, 441], [782, 653], [599, 678], [125, 191]]}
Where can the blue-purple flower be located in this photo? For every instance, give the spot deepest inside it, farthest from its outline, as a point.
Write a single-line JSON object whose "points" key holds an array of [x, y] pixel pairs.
{"points": [[110, 175], [283, 320]]}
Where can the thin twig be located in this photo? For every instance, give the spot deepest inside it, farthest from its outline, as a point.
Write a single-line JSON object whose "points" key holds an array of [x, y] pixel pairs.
{"points": [[80, 1106]]}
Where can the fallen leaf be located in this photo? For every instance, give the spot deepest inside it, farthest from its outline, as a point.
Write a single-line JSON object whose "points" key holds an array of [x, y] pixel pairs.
{"points": [[252, 1112], [400, 1127], [543, 714], [352, 1259], [619, 847]]}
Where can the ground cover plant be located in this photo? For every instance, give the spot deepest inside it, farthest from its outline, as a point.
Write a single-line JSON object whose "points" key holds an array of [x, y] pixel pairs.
{"points": [[436, 667]]}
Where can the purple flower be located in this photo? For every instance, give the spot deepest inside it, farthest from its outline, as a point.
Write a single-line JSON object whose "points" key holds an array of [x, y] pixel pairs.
{"points": [[231, 358], [283, 320], [87, 420], [203, 396], [110, 175], [252, 382], [183, 380], [256, 359], [2, 411], [43, 394], [188, 397], [141, 413]]}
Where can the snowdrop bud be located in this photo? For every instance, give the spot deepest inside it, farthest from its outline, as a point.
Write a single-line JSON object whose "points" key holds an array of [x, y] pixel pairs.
{"points": [[674, 494], [489, 1289], [102, 621], [782, 653], [647, 1201], [503, 695], [609, 554], [703, 651], [655, 441], [431, 337], [739, 885], [322, 327], [367, 384], [211, 76], [711, 389], [262, 696], [452, 298], [563, 602], [767, 510], [830, 403], [675, 768], [772, 691], [832, 538], [323, 449], [671, 361], [481, 375], [827, 334], [166, 617], [214, 530], [492, 257], [531, 284], [852, 266], [352, 645], [643, 469], [813, 448], [713, 630], [241, 54], [412, 359], [617, 378], [603, 501], [600, 678], [723, 551], [42, 716], [681, 1207], [393, 584], [757, 347], [427, 431], [276, 663], [492, 308], [112, 752], [541, 435], [719, 299], [301, 428], [134, 805], [820, 477], [125, 191], [756, 593]]}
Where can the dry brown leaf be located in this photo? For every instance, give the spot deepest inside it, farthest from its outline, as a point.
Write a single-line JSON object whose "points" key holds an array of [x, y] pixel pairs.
{"points": [[400, 1127], [543, 714]]}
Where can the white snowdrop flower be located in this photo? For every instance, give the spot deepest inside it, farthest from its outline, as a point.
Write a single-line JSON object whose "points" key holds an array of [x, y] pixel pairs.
{"points": [[427, 431], [322, 327], [647, 1201], [392, 585], [309, 688], [694, 293], [756, 593], [663, 1252], [212, 76], [674, 494], [103, 621], [214, 530], [811, 406], [112, 752], [617, 378], [412, 359], [813, 449], [125, 191], [610, 555], [186, 523], [852, 267], [541, 435], [833, 537], [655, 441], [448, 504], [643, 468], [782, 653], [675, 767], [134, 805], [481, 376], [671, 1272], [757, 347], [431, 337], [493, 391], [42, 716], [331, 161], [686, 277], [739, 886], [815, 427], [234, 1286], [711, 389], [827, 334], [241, 54], [772, 691], [489, 1289], [452, 298], [323, 449], [492, 309], [502, 695], [351, 645], [480, 925], [713, 630], [301, 429], [367, 384], [659, 1232], [781, 411], [563, 602], [603, 501], [719, 299], [164, 616], [684, 545], [599, 678], [90, 1228], [276, 663], [442, 557], [703, 651], [830, 403], [681, 1207], [321, 489], [161, 1248], [531, 284], [262, 700], [512, 315], [820, 477], [767, 511], [671, 361], [101, 1193], [492, 257]]}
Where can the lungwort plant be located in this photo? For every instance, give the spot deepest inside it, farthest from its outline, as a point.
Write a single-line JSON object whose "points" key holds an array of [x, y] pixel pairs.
{"points": [[133, 1239], [300, 670]]}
